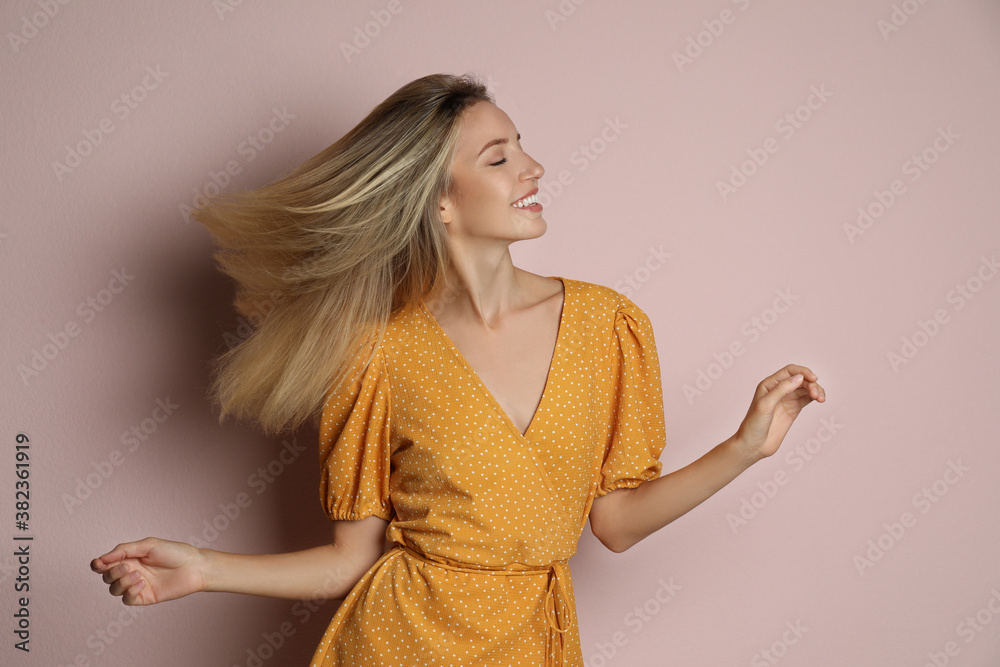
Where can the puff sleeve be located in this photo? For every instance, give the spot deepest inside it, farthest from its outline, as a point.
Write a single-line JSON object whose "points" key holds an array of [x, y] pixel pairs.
{"points": [[354, 443], [637, 434]]}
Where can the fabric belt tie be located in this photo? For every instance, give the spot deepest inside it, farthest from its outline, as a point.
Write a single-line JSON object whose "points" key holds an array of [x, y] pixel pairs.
{"points": [[558, 612]]}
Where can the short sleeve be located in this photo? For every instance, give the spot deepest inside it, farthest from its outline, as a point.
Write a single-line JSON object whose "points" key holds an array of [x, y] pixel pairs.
{"points": [[354, 443], [637, 433]]}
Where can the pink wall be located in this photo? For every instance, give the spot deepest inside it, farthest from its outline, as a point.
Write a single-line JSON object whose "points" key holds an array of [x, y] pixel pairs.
{"points": [[888, 106]]}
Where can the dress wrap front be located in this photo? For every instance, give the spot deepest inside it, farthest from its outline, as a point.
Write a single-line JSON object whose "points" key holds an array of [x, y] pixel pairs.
{"points": [[482, 518]]}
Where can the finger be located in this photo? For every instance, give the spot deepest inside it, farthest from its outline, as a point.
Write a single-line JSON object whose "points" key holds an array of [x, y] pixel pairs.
{"points": [[102, 563], [805, 394], [115, 573], [794, 369], [106, 560], [131, 596], [801, 397], [769, 383], [813, 389], [784, 388], [816, 392], [138, 549], [122, 584]]}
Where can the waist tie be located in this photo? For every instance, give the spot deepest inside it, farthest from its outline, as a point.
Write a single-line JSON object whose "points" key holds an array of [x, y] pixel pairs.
{"points": [[558, 611]]}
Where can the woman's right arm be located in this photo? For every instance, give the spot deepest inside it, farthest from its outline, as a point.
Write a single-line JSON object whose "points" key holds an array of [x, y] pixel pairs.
{"points": [[154, 570]]}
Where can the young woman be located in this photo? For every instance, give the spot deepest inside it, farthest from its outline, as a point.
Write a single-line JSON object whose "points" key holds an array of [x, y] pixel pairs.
{"points": [[473, 415]]}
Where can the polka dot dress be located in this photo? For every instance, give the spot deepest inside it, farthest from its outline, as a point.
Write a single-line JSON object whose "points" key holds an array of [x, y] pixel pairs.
{"points": [[482, 518]]}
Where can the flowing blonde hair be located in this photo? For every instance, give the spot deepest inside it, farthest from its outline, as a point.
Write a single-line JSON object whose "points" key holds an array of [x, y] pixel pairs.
{"points": [[323, 256]]}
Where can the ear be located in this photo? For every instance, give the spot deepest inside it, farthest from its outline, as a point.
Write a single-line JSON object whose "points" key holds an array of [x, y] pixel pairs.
{"points": [[447, 209]]}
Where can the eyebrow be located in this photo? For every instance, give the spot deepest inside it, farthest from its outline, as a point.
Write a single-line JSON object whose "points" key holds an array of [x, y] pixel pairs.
{"points": [[494, 142]]}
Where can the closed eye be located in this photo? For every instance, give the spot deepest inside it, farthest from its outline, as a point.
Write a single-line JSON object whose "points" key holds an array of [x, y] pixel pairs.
{"points": [[497, 164]]}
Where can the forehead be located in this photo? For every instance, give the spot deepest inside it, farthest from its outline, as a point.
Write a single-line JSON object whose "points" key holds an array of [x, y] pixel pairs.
{"points": [[480, 124]]}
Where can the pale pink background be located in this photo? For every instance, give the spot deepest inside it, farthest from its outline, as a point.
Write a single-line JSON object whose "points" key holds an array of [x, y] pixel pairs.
{"points": [[680, 131]]}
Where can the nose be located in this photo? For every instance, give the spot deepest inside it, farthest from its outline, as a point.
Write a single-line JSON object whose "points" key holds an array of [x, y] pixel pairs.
{"points": [[532, 169]]}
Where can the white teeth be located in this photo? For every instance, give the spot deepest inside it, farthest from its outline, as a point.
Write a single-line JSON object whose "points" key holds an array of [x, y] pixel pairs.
{"points": [[527, 201]]}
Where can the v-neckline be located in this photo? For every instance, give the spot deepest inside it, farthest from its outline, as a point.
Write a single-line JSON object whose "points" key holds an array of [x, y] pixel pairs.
{"points": [[549, 380]]}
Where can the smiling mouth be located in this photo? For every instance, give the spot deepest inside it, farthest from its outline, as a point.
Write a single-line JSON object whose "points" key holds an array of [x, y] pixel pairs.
{"points": [[526, 202]]}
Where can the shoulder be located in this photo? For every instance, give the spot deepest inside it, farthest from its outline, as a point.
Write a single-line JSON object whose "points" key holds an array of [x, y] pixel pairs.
{"points": [[601, 298], [613, 314]]}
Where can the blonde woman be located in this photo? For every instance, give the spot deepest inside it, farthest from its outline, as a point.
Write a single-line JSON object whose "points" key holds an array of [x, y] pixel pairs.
{"points": [[472, 415]]}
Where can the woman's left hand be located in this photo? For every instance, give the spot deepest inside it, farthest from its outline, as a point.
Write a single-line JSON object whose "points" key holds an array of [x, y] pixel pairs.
{"points": [[777, 402]]}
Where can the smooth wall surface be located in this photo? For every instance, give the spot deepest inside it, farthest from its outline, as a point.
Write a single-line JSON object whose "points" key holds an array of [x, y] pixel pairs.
{"points": [[772, 182]]}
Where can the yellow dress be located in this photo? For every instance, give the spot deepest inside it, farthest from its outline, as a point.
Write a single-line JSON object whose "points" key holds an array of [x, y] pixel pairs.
{"points": [[482, 518]]}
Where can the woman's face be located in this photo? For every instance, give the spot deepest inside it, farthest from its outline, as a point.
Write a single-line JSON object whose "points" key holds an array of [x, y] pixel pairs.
{"points": [[490, 172]]}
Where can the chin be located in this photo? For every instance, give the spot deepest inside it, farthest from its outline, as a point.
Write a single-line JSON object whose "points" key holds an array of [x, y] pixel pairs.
{"points": [[537, 229]]}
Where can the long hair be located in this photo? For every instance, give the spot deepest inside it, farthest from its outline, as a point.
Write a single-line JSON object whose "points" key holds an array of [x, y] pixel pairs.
{"points": [[323, 256]]}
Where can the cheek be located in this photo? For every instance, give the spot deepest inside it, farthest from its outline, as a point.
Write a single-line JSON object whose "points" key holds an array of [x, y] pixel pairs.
{"points": [[483, 195]]}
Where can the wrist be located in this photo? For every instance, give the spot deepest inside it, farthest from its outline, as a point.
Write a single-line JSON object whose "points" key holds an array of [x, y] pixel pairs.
{"points": [[208, 568], [742, 454]]}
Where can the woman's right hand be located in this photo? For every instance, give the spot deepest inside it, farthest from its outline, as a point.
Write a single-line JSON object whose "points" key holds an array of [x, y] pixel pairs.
{"points": [[152, 570]]}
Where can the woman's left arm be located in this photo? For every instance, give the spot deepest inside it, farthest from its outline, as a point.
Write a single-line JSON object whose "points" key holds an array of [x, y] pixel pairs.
{"points": [[624, 517]]}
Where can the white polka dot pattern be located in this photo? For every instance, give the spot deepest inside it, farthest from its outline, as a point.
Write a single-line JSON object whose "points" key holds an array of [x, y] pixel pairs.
{"points": [[482, 516]]}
